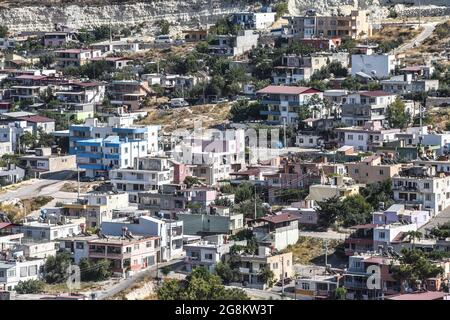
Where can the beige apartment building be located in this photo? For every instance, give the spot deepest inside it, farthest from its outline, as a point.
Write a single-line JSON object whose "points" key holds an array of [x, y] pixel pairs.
{"points": [[371, 170], [355, 26]]}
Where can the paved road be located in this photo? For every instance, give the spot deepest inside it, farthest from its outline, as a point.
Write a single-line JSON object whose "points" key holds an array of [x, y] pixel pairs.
{"points": [[39, 187], [427, 31], [441, 218], [257, 294], [126, 283], [330, 235]]}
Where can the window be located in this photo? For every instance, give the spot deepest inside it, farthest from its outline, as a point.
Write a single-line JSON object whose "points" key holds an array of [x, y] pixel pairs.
{"points": [[275, 265], [12, 273], [149, 244], [382, 235], [128, 250], [126, 150], [360, 137], [136, 246], [350, 137], [426, 185], [208, 256], [23, 272], [305, 286], [32, 270], [428, 197]]}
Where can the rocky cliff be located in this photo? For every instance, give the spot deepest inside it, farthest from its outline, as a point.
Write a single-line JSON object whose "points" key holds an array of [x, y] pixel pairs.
{"points": [[22, 15], [27, 15]]}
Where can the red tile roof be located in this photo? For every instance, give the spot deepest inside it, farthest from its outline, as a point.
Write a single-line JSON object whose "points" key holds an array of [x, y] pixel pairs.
{"points": [[376, 93], [285, 217], [427, 295], [30, 77], [287, 90], [35, 119], [3, 225]]}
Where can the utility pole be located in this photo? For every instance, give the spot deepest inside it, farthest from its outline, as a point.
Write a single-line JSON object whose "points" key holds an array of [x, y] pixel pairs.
{"points": [[420, 13], [254, 188], [284, 132], [78, 180], [282, 276]]}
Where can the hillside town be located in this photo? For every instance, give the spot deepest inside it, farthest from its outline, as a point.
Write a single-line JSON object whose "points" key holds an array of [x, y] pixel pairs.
{"points": [[268, 155]]}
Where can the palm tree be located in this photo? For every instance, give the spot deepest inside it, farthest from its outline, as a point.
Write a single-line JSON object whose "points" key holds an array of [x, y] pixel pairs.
{"points": [[413, 235]]}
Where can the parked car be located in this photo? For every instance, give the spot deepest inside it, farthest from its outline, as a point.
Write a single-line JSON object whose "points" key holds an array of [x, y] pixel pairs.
{"points": [[286, 281], [87, 179], [220, 100], [164, 38], [178, 103], [180, 41]]}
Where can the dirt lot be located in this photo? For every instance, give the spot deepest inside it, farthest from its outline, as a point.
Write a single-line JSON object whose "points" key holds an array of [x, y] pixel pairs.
{"points": [[183, 118], [310, 250]]}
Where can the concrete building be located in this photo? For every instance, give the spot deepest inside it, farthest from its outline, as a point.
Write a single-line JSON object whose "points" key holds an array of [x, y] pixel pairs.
{"points": [[296, 68], [276, 231], [423, 187], [11, 174], [361, 107], [75, 57], [129, 93], [222, 221], [58, 39], [234, 45], [404, 84], [37, 122], [365, 138], [19, 269], [147, 174], [44, 161], [283, 102], [6, 148], [380, 66], [49, 231], [169, 231], [251, 266], [399, 213], [254, 20], [355, 26], [128, 254], [96, 208], [207, 252], [12, 131], [79, 99], [371, 170], [100, 155]]}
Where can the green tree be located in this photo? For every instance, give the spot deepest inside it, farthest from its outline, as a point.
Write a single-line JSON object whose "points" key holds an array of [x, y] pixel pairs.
{"points": [[267, 276], [281, 8], [340, 293], [95, 270], [223, 202], [224, 271], [45, 139], [191, 181], [397, 115], [199, 285], [244, 111], [164, 27], [414, 266], [378, 193], [46, 60], [30, 286], [3, 31], [413, 235], [329, 211], [357, 211], [243, 192], [351, 83], [56, 266], [28, 140]]}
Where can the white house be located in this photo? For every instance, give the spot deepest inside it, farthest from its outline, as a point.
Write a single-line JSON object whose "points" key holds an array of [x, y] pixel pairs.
{"points": [[19, 269], [375, 65], [170, 231]]}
